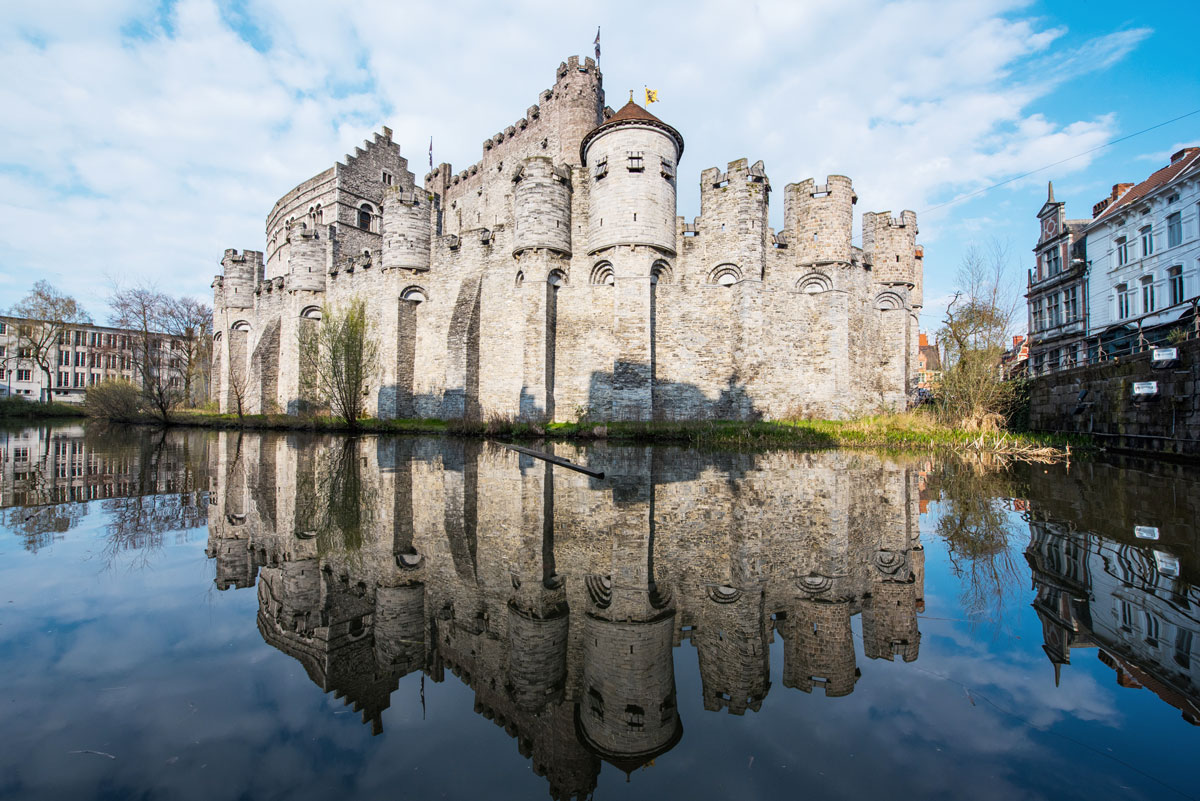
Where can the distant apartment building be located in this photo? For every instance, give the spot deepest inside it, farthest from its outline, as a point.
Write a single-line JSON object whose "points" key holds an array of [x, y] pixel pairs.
{"points": [[1122, 281], [83, 355]]}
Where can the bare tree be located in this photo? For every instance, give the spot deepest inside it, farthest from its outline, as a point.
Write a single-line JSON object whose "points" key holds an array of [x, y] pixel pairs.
{"points": [[143, 309], [46, 313], [974, 333], [190, 322], [338, 360]]}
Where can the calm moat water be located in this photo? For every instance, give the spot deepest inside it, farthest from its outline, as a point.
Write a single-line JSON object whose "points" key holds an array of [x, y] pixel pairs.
{"points": [[223, 616]]}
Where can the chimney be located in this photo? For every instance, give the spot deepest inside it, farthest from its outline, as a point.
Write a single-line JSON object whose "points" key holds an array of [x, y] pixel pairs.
{"points": [[1017, 340], [924, 340], [1182, 154]]}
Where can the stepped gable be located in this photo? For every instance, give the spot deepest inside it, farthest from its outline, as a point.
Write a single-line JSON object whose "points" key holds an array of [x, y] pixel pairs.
{"points": [[630, 113]]}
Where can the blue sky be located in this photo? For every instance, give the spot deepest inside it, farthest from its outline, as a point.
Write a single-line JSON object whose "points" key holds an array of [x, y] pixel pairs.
{"points": [[142, 138]]}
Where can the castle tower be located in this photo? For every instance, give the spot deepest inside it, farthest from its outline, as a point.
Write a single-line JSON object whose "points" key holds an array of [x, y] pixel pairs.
{"points": [[733, 217], [241, 274], [577, 104], [542, 249], [306, 258], [406, 229], [818, 220], [631, 161], [819, 647], [890, 245]]}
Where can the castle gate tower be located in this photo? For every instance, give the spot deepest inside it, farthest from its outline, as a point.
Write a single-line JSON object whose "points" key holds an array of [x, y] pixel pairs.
{"points": [[631, 162]]}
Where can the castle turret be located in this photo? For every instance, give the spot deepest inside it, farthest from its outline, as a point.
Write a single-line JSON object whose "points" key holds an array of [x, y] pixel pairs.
{"points": [[733, 217], [542, 200], [406, 229], [241, 275], [306, 258], [577, 105], [890, 244], [818, 219], [631, 160]]}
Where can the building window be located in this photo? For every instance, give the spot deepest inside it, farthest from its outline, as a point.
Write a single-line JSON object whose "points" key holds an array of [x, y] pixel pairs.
{"points": [[1147, 241], [79, 380], [668, 169], [1123, 301], [1122, 251], [1147, 294], [1071, 304], [3, 328], [1054, 311], [79, 358], [1054, 261], [364, 217], [601, 168], [1175, 283], [1174, 229], [387, 178], [635, 161], [24, 375], [1037, 315], [64, 379]]}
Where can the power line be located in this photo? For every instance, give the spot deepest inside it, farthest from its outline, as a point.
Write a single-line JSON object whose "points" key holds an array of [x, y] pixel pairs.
{"points": [[1061, 161]]}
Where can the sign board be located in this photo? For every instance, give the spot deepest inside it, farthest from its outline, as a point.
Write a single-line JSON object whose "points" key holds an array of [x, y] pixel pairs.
{"points": [[1145, 532], [1164, 354], [1167, 565], [1145, 387]]}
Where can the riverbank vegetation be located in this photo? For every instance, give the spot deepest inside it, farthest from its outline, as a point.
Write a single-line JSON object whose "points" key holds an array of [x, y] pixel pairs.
{"points": [[918, 430]]}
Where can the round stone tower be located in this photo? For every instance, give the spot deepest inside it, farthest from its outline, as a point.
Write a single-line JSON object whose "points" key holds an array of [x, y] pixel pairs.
{"points": [[891, 245], [241, 273], [631, 162], [406, 229], [542, 198], [819, 219]]}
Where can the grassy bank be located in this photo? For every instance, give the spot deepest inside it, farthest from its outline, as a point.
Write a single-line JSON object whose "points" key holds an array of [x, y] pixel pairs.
{"points": [[911, 431], [18, 409]]}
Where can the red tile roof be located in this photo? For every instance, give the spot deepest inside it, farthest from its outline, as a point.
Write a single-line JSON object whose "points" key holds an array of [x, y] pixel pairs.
{"points": [[630, 113], [1180, 161]]}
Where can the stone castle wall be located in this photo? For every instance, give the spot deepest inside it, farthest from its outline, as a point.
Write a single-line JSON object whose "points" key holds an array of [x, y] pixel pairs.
{"points": [[533, 284]]}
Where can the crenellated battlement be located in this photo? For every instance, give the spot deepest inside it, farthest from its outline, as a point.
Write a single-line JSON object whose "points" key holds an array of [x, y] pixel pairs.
{"points": [[554, 274]]}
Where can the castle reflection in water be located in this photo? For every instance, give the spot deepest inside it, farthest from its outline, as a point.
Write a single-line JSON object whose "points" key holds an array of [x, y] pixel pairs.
{"points": [[559, 598]]}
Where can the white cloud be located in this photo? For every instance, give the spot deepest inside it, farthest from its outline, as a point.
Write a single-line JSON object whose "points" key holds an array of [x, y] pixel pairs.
{"points": [[141, 142]]}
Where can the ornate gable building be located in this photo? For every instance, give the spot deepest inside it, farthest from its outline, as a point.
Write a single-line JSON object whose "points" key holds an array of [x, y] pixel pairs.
{"points": [[553, 279]]}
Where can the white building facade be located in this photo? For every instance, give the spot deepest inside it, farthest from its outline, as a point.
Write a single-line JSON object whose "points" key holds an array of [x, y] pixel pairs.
{"points": [[1143, 249]]}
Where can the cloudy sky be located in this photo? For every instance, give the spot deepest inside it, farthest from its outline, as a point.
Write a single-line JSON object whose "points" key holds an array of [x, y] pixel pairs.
{"points": [[140, 139]]}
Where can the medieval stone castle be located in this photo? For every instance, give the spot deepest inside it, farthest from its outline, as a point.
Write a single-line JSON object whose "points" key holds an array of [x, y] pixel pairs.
{"points": [[553, 279]]}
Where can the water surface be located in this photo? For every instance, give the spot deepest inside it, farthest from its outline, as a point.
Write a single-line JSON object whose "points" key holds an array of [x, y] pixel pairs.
{"points": [[211, 616]]}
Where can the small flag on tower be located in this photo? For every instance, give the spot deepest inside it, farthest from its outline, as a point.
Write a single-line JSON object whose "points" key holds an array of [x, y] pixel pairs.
{"points": [[651, 96], [431, 154], [597, 42]]}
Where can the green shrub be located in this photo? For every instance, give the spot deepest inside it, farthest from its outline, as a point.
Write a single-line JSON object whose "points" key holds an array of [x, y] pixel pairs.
{"points": [[19, 407], [114, 400]]}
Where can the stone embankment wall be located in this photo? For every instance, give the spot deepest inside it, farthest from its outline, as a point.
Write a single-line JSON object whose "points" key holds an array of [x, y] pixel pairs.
{"points": [[1166, 422]]}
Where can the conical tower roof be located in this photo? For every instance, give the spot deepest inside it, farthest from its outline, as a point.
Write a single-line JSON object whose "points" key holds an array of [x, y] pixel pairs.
{"points": [[630, 114]]}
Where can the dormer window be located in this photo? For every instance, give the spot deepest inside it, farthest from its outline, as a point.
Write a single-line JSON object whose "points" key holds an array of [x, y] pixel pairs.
{"points": [[635, 161], [601, 169]]}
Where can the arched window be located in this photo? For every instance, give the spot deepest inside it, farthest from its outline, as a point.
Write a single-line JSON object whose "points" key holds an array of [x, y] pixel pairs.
{"points": [[311, 313], [660, 272], [520, 279], [240, 325], [414, 294], [602, 274], [725, 275], [887, 301], [556, 278], [365, 212], [814, 283]]}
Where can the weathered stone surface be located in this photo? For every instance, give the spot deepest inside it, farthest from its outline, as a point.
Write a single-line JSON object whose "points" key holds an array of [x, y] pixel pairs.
{"points": [[533, 284]]}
